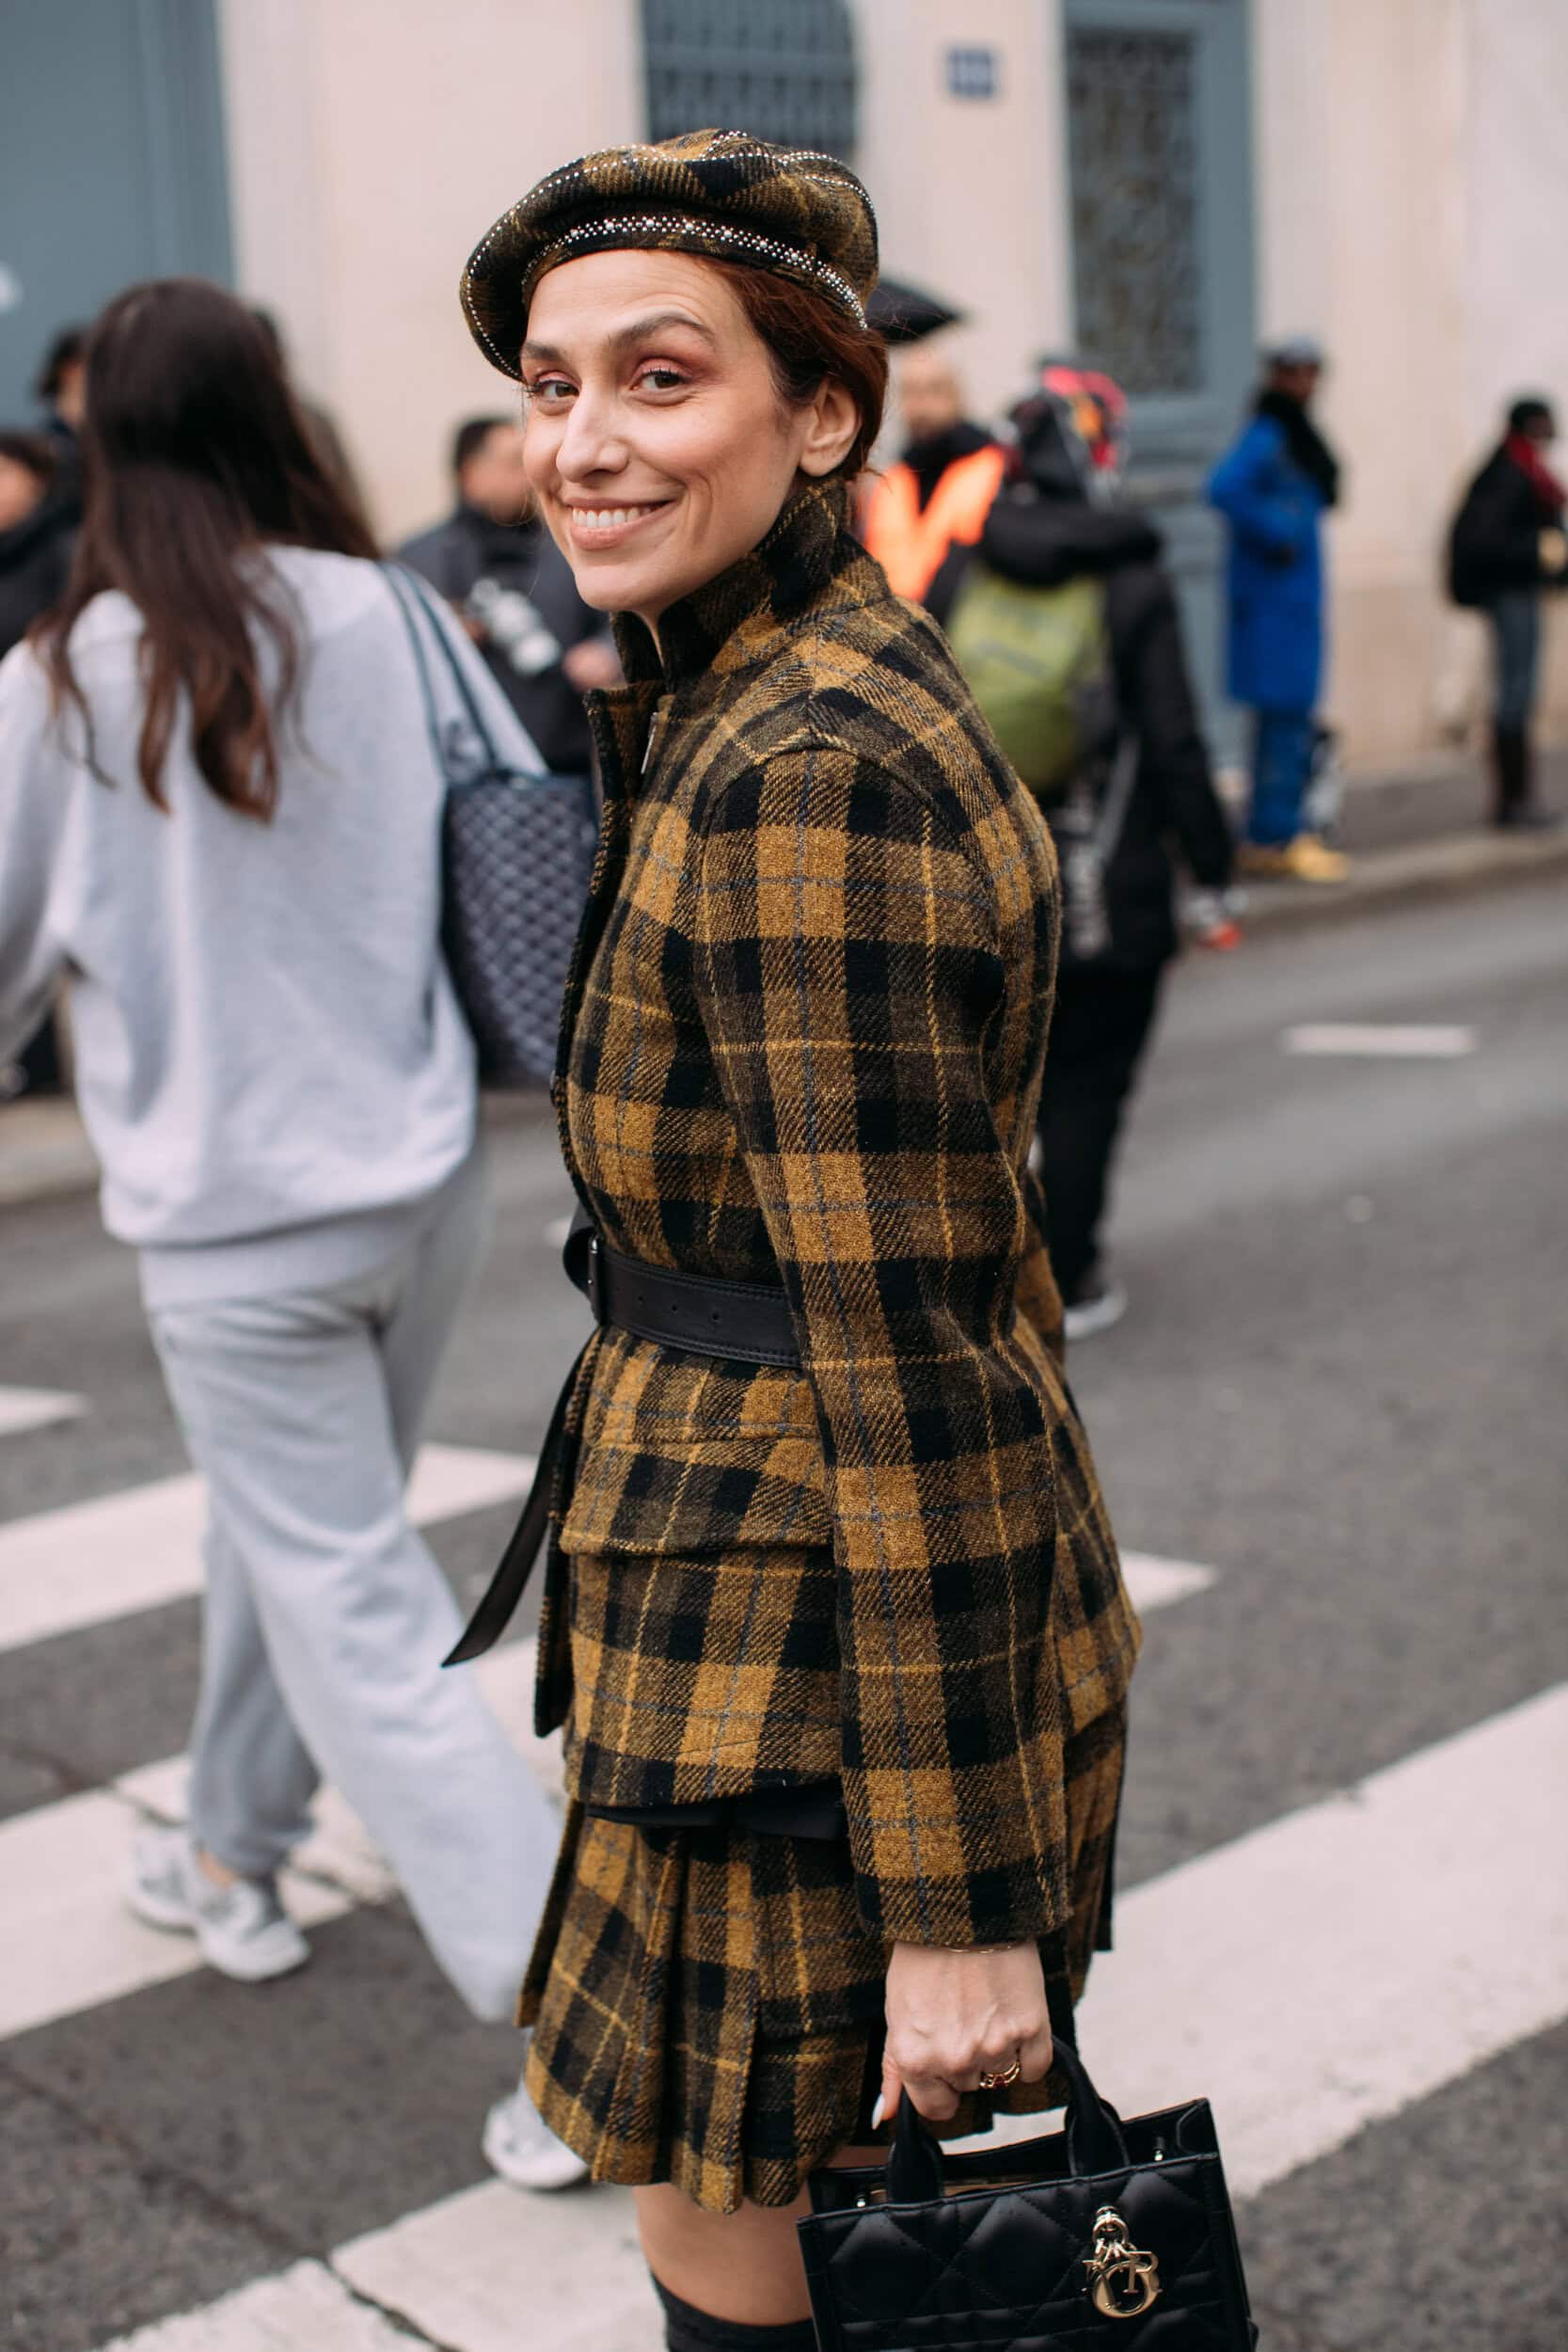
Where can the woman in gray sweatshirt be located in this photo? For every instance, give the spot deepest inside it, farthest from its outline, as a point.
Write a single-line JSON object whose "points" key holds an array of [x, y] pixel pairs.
{"points": [[221, 815]]}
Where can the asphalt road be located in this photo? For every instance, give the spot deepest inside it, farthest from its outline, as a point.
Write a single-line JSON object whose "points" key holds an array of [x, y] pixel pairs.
{"points": [[1339, 1390]]}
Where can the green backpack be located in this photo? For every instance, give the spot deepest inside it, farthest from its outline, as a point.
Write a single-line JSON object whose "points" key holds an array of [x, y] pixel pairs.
{"points": [[1037, 660]]}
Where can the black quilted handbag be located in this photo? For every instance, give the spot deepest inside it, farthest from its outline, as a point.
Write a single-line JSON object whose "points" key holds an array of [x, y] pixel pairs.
{"points": [[517, 853], [1104, 2234]]}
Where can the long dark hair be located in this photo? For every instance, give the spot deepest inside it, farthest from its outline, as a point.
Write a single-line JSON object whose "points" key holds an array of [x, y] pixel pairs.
{"points": [[194, 454]]}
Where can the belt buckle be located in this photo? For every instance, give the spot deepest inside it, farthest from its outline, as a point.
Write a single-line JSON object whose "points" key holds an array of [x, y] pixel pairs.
{"points": [[595, 1278]]}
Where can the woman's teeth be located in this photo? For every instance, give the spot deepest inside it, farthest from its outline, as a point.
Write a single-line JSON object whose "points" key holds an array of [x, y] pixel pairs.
{"points": [[607, 518]]}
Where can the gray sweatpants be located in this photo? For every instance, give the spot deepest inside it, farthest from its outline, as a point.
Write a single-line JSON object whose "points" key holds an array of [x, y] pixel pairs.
{"points": [[327, 1617]]}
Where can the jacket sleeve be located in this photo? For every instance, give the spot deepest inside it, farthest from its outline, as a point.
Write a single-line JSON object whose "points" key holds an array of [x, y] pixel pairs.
{"points": [[848, 968], [1155, 686], [33, 803], [1244, 487]]}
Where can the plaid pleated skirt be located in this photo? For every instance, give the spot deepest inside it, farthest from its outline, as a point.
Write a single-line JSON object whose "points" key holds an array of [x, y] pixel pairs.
{"points": [[708, 2008]]}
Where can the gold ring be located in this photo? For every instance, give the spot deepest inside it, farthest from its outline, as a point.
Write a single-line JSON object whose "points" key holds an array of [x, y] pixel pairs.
{"points": [[1003, 2082]]}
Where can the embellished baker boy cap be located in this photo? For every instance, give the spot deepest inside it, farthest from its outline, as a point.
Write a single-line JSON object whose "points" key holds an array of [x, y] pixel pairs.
{"points": [[720, 193]]}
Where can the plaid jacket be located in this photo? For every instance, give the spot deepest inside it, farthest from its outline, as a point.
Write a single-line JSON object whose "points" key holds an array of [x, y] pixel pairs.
{"points": [[802, 1038]]}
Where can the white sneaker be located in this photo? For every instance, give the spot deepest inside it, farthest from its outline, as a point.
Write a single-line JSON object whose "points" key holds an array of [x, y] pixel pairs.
{"points": [[243, 1930], [1098, 1312], [521, 2147]]}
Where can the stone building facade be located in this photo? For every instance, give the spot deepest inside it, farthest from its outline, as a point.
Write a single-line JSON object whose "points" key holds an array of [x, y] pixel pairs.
{"points": [[1160, 185]]}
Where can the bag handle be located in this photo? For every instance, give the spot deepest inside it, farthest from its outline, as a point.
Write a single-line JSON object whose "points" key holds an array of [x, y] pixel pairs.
{"points": [[396, 579], [411, 594], [1095, 2144]]}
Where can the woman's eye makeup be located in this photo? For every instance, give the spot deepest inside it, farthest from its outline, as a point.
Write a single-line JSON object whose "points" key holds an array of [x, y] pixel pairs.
{"points": [[649, 375], [661, 375]]}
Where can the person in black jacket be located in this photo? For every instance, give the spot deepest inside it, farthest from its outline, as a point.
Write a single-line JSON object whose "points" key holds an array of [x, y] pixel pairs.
{"points": [[1506, 544], [40, 511], [38, 527], [497, 563], [1051, 523]]}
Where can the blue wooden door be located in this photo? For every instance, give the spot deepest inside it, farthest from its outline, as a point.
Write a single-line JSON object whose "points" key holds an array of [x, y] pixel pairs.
{"points": [[111, 163], [1159, 138]]}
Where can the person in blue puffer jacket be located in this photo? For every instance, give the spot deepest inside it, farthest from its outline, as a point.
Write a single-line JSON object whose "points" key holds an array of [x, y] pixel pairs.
{"points": [[1273, 487]]}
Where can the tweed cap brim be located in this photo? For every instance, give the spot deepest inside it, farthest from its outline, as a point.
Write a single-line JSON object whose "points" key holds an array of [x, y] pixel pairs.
{"points": [[721, 194]]}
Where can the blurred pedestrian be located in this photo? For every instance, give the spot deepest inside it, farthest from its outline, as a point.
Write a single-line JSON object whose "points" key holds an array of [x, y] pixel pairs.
{"points": [[59, 385], [943, 485], [1508, 544], [494, 561], [832, 1607], [38, 513], [1273, 488], [1086, 575], [36, 530], [220, 813]]}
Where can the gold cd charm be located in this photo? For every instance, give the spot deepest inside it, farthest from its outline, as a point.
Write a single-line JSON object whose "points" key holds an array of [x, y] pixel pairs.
{"points": [[1123, 2283]]}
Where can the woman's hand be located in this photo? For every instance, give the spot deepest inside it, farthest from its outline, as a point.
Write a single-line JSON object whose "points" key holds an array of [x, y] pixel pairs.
{"points": [[954, 2016]]}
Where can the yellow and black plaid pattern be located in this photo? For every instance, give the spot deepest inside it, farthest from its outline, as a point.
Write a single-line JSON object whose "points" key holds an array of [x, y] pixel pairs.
{"points": [[707, 2004], [720, 193], [803, 1040]]}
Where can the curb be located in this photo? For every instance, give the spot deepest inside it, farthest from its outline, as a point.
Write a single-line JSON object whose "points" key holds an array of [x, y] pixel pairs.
{"points": [[45, 1155], [1468, 862]]}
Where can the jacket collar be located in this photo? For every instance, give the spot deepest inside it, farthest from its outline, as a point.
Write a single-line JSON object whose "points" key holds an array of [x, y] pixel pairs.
{"points": [[742, 615]]}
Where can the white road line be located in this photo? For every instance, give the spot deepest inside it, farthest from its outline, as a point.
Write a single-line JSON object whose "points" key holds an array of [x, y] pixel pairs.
{"points": [[490, 2271], [1318, 1975], [302, 2310], [1383, 1041], [1329, 1970], [35, 1408], [70, 1943], [142, 1546], [1156, 1583]]}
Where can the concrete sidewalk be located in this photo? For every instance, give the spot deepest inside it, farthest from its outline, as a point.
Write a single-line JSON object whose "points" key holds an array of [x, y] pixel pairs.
{"points": [[1412, 835], [1418, 834]]}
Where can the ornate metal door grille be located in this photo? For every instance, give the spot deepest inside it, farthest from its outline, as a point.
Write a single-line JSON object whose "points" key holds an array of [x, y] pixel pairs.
{"points": [[1131, 119], [783, 68]]}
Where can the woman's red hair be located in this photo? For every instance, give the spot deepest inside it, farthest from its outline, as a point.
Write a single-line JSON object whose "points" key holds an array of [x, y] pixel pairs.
{"points": [[810, 339]]}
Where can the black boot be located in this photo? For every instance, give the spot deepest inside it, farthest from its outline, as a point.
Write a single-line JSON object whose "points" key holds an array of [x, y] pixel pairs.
{"points": [[1514, 807]]}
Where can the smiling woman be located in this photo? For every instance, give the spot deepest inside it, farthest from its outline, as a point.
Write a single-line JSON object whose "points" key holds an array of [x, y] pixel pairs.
{"points": [[832, 1614], [666, 425]]}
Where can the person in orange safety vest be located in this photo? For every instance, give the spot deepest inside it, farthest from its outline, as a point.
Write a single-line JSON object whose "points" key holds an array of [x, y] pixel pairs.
{"points": [[942, 488]]}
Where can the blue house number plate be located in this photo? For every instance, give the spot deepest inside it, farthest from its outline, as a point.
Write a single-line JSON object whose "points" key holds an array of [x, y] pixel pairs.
{"points": [[973, 73]]}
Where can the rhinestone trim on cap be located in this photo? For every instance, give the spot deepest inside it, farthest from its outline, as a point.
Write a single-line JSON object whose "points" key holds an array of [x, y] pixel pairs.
{"points": [[745, 241]]}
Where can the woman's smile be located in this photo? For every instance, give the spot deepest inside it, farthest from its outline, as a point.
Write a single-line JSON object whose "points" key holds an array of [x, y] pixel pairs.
{"points": [[596, 526]]}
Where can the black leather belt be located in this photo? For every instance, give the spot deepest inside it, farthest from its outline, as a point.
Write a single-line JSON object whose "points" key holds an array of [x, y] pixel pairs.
{"points": [[747, 1323]]}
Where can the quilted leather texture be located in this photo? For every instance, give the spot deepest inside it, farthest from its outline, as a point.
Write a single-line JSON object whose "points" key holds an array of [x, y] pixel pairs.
{"points": [[519, 857], [1003, 2271]]}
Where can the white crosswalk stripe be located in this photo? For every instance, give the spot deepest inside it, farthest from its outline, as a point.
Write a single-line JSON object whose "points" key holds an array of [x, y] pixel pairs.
{"points": [[1270, 1951], [70, 1941], [37, 1409], [306, 2306], [140, 1549], [1383, 1041]]}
